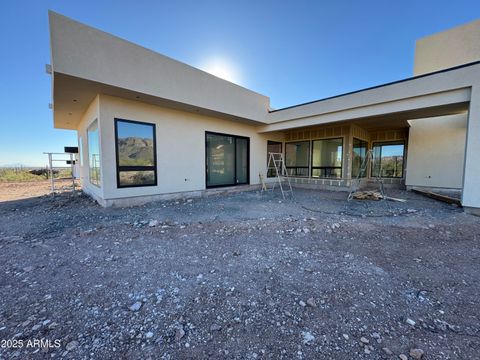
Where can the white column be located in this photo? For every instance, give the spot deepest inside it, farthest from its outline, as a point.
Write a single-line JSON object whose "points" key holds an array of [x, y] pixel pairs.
{"points": [[471, 172]]}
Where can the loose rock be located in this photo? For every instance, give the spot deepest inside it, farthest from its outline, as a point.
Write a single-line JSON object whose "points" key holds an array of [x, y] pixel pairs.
{"points": [[416, 353], [364, 340], [71, 345], [387, 351], [153, 223], [136, 306], [308, 338], [179, 333], [215, 327]]}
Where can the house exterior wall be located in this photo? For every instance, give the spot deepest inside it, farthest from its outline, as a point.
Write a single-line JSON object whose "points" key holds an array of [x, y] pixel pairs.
{"points": [[86, 61], [471, 188], [437, 145], [436, 152], [180, 138], [446, 49]]}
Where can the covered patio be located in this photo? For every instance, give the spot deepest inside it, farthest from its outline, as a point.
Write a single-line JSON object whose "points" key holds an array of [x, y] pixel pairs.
{"points": [[326, 140]]}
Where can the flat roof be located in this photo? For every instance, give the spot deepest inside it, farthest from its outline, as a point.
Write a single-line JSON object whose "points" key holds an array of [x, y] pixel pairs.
{"points": [[87, 62], [378, 86], [103, 60]]}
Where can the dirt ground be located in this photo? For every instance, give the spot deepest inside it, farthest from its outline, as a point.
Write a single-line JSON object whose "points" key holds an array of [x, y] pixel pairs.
{"points": [[239, 276], [23, 190]]}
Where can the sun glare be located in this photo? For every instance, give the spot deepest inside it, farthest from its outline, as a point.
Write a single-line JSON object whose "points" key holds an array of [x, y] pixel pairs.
{"points": [[222, 69]]}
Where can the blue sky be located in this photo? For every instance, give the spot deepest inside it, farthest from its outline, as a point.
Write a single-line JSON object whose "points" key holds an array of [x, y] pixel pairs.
{"points": [[291, 51], [127, 129]]}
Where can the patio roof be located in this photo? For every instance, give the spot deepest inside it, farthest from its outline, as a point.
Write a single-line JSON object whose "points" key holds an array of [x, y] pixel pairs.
{"points": [[444, 92]]}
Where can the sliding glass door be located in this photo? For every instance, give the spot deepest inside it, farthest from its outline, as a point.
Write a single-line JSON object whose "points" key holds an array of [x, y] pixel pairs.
{"points": [[227, 160], [241, 160]]}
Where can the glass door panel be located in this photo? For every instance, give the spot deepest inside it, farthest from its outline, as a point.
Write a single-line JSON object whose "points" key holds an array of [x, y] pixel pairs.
{"points": [[359, 154], [220, 160], [227, 160], [242, 160]]}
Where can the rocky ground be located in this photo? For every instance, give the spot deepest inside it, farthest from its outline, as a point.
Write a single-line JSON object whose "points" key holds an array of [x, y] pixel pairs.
{"points": [[242, 276]]}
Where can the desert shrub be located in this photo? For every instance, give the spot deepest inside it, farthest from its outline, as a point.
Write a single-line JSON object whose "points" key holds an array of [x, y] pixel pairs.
{"points": [[19, 174]]}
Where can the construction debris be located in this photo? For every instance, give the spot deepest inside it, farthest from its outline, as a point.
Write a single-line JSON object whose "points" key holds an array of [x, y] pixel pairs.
{"points": [[374, 195], [436, 196], [394, 199], [367, 195], [368, 162]]}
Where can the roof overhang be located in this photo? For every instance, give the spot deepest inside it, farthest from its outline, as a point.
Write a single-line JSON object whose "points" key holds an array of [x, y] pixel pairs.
{"points": [[386, 114], [73, 95]]}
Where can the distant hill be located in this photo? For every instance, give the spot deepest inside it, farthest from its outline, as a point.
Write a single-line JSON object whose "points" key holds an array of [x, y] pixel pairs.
{"points": [[135, 151], [17, 165]]}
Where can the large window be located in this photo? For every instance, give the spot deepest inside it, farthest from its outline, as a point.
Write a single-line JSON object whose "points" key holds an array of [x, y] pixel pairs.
{"points": [[93, 154], [297, 157], [327, 157], [272, 147], [359, 154], [388, 159], [227, 160], [136, 153]]}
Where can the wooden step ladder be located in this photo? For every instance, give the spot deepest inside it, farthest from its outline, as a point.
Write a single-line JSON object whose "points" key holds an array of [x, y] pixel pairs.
{"points": [[281, 173]]}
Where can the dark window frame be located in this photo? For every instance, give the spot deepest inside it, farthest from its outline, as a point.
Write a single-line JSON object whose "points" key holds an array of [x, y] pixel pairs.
{"points": [[299, 167], [327, 167], [366, 152], [272, 174], [235, 137], [390, 142], [135, 168]]}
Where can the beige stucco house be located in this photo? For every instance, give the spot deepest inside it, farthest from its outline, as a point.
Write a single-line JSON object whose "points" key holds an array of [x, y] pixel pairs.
{"points": [[151, 127]]}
